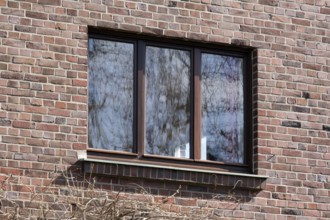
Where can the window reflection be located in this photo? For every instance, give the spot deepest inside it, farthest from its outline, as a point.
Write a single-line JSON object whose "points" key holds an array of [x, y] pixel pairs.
{"points": [[167, 102], [110, 100], [222, 108]]}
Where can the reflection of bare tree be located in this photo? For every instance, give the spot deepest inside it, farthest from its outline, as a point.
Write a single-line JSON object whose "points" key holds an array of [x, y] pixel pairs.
{"points": [[222, 107], [110, 95], [168, 100]]}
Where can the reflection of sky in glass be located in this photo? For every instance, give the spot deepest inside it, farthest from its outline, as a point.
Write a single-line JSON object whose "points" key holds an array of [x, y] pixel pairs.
{"points": [[167, 102], [222, 108], [110, 95]]}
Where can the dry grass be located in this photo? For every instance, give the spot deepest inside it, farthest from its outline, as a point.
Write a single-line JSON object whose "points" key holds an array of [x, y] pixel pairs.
{"points": [[80, 199]]}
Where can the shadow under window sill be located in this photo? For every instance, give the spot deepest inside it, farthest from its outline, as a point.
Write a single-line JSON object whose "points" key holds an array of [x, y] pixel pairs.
{"points": [[172, 173]]}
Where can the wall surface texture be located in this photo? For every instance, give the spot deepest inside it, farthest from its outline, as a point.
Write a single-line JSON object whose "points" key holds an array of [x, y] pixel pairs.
{"points": [[44, 103]]}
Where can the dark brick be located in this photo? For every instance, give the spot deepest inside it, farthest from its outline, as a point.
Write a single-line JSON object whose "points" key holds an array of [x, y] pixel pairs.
{"points": [[306, 95], [300, 109], [291, 212], [292, 63], [5, 122], [172, 4], [294, 124], [25, 29], [326, 127], [240, 42], [269, 2], [326, 40], [281, 107]]}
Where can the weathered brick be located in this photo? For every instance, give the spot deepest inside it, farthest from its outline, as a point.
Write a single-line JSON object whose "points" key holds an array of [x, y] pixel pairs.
{"points": [[23, 60], [12, 140], [61, 18], [36, 15], [48, 63], [50, 2], [250, 29], [13, 43], [36, 46], [118, 11], [35, 78], [5, 122], [269, 2]]}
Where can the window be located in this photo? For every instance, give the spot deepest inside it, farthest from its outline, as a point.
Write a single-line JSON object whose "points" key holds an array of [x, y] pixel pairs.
{"points": [[165, 101]]}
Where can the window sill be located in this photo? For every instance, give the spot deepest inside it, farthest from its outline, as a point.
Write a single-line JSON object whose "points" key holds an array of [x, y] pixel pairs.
{"points": [[172, 173]]}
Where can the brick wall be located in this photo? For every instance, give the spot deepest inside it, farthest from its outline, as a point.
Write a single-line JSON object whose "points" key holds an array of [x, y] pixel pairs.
{"points": [[43, 94]]}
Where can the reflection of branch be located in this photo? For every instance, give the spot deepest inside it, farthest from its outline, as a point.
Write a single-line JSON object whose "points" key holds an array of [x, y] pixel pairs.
{"points": [[222, 104], [111, 95], [167, 94]]}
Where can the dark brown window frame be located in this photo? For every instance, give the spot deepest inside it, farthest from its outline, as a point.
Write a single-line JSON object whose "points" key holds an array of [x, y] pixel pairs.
{"points": [[197, 48]]}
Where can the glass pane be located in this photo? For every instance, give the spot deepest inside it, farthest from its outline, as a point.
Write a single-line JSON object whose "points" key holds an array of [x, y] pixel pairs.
{"points": [[167, 102], [110, 95], [222, 108]]}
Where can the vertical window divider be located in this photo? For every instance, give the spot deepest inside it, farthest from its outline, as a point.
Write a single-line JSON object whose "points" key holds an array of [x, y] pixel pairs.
{"points": [[248, 112], [135, 98], [197, 105], [141, 98]]}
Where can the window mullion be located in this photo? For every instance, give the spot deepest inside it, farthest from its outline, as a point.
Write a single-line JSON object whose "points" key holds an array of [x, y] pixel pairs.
{"points": [[197, 104], [141, 98]]}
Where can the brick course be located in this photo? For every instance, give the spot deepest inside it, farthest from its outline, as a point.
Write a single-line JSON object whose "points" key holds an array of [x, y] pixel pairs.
{"points": [[43, 92]]}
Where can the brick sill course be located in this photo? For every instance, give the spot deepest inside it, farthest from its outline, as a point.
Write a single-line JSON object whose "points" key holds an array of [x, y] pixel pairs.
{"points": [[174, 174]]}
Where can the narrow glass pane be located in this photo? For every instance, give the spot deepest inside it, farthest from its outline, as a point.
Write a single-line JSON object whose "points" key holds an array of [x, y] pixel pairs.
{"points": [[222, 108], [167, 102], [110, 95]]}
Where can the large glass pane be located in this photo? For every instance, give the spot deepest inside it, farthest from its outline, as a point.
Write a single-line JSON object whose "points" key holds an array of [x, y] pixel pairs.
{"points": [[110, 90], [222, 108], [167, 102]]}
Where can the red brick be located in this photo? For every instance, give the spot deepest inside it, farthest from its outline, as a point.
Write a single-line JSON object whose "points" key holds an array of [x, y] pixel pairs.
{"points": [[23, 124], [47, 127], [325, 11], [78, 82], [11, 171], [301, 22]]}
